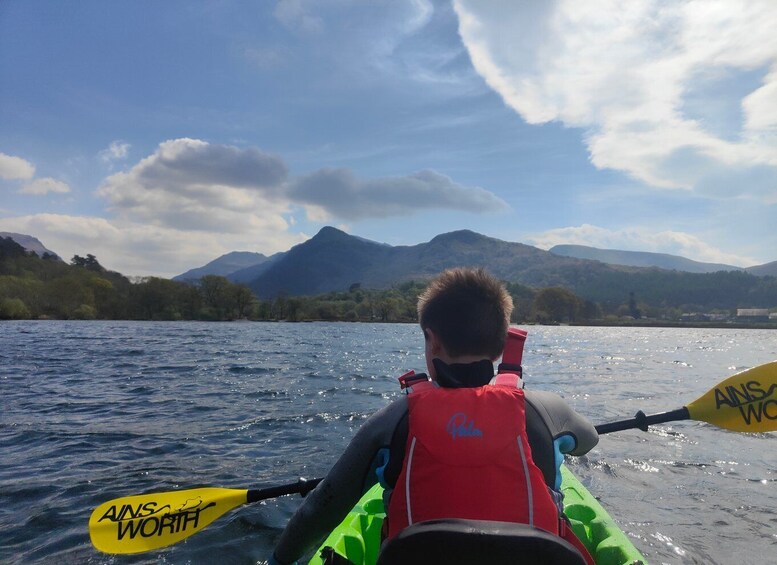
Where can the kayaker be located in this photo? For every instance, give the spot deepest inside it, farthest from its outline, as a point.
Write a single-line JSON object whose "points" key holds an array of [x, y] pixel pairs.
{"points": [[464, 314]]}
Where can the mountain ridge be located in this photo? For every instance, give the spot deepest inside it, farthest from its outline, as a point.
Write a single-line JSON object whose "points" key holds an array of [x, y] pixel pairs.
{"points": [[640, 259], [659, 260], [30, 243], [224, 265], [334, 260]]}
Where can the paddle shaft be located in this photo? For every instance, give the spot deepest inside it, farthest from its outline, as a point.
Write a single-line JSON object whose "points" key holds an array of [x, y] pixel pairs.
{"points": [[302, 487], [641, 421]]}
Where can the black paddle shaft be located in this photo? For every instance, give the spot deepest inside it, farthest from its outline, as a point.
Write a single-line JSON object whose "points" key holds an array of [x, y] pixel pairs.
{"points": [[641, 421], [302, 486]]}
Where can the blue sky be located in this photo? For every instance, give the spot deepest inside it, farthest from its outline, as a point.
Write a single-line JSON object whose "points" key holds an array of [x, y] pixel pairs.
{"points": [[161, 135]]}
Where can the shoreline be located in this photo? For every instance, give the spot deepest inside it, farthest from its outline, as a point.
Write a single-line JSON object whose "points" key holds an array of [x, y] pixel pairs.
{"points": [[588, 323]]}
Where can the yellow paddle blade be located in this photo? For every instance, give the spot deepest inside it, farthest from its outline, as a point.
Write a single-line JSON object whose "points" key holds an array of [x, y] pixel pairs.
{"points": [[145, 522], [745, 402]]}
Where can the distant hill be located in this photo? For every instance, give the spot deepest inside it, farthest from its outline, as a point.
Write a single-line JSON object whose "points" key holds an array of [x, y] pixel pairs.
{"points": [[333, 260], [640, 259], [29, 243], [247, 274], [766, 270], [224, 265]]}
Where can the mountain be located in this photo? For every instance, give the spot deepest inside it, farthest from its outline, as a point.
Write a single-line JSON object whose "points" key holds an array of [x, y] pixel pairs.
{"points": [[224, 265], [333, 260], [247, 274], [640, 259], [31, 244], [766, 270]]}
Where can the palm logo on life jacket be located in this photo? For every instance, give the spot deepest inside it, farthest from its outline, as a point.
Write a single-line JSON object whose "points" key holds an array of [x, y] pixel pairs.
{"points": [[460, 426]]}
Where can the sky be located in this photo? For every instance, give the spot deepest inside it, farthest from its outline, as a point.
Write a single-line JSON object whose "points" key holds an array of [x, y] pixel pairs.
{"points": [[158, 136]]}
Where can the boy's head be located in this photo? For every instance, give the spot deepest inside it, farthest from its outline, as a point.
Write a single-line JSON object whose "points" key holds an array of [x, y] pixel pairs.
{"points": [[468, 312]]}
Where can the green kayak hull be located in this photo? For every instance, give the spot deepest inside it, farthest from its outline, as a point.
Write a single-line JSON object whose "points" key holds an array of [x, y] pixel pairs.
{"points": [[358, 535]]}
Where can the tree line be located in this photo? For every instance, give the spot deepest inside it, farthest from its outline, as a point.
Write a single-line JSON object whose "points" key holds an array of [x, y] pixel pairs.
{"points": [[33, 287]]}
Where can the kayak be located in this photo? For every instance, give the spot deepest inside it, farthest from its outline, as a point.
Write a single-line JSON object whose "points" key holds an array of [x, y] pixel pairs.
{"points": [[358, 536]]}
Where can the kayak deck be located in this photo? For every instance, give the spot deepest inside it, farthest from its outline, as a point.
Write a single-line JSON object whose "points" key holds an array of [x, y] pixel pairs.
{"points": [[606, 542], [358, 535]]}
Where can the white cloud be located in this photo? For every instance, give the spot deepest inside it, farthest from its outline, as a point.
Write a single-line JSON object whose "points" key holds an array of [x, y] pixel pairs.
{"points": [[622, 71], [13, 168], [639, 239], [116, 150], [193, 185], [339, 193], [45, 185], [141, 249]]}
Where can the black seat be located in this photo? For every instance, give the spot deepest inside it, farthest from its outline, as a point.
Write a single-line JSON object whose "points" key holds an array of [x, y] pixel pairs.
{"points": [[454, 541]]}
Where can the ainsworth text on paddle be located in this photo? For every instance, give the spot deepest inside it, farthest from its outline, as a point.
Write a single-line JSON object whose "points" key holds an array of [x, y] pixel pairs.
{"points": [[753, 400], [146, 520]]}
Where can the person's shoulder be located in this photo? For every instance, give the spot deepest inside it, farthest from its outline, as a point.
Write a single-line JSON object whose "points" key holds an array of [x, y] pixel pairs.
{"points": [[542, 396], [549, 404], [392, 412]]}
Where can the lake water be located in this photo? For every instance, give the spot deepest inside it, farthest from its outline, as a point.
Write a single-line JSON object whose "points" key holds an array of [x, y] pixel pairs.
{"points": [[92, 411]]}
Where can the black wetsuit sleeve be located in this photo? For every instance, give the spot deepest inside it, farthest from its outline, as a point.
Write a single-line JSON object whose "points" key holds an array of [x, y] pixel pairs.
{"points": [[326, 506], [560, 419]]}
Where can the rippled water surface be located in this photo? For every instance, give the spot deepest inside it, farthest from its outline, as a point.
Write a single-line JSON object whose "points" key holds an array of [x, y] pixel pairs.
{"points": [[92, 411]]}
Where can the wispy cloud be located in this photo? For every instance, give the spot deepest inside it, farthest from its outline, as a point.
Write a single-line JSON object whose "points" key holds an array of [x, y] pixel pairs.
{"points": [[639, 239], [45, 185], [624, 73], [117, 150], [298, 15], [399, 44]]}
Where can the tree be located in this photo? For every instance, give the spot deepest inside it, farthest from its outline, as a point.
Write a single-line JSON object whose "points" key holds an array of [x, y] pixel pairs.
{"points": [[295, 306], [155, 299], [556, 304], [89, 262], [633, 310], [216, 295], [387, 307], [279, 306], [10, 249], [243, 299], [13, 309]]}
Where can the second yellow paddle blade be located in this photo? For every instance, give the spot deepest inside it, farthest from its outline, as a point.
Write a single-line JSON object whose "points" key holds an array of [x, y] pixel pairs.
{"points": [[145, 522], [745, 402]]}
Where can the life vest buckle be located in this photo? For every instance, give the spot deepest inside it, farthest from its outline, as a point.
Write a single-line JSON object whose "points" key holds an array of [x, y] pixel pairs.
{"points": [[510, 368], [410, 378]]}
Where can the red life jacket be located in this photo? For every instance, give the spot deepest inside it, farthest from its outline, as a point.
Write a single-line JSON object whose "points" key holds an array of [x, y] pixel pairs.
{"points": [[467, 456]]}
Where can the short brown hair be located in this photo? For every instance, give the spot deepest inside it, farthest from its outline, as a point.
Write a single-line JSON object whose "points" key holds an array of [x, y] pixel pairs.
{"points": [[469, 311]]}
